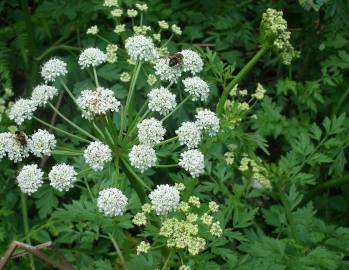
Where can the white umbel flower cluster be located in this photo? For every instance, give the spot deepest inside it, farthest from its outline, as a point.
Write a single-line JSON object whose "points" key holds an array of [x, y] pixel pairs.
{"points": [[21, 110], [29, 179], [97, 155], [62, 177], [140, 48], [150, 131], [164, 199], [42, 94], [165, 72], [53, 69], [14, 150], [92, 57], [207, 121], [197, 88], [111, 202], [192, 62], [142, 157], [42, 143], [193, 162], [189, 134], [98, 102], [161, 100]]}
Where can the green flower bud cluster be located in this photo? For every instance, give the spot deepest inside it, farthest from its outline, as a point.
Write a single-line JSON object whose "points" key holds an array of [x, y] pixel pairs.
{"points": [[274, 33]]}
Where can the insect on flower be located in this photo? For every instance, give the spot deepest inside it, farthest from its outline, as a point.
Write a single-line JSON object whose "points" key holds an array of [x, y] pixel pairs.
{"points": [[175, 60], [20, 137]]}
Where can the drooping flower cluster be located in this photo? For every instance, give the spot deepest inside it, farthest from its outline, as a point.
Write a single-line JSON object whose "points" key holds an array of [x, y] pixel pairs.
{"points": [[274, 32], [111, 202], [97, 102]]}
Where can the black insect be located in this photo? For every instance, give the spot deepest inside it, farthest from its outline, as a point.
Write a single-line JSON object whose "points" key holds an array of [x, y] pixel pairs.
{"points": [[175, 60]]}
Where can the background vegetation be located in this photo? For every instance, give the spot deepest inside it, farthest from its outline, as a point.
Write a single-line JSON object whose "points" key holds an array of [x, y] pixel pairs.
{"points": [[300, 131]]}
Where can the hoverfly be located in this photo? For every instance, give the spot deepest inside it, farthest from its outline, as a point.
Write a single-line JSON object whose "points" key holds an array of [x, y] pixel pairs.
{"points": [[175, 60], [20, 137]]}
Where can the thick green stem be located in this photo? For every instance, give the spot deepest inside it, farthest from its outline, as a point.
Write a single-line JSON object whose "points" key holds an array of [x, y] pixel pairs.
{"points": [[26, 225], [334, 183], [128, 107], [95, 76], [173, 139], [167, 165], [243, 72]]}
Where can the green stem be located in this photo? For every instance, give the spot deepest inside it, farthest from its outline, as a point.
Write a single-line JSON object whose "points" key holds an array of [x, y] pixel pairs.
{"points": [[325, 186], [128, 108], [288, 212], [68, 91], [167, 165], [176, 109], [72, 124], [167, 260], [243, 72], [132, 172], [116, 246], [95, 76], [167, 141], [26, 225], [340, 102], [61, 130]]}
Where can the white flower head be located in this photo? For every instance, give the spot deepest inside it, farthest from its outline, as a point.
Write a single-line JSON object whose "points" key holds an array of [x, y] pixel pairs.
{"points": [[43, 93], [62, 177], [29, 179], [150, 131], [42, 143], [21, 110], [93, 30], [116, 12], [140, 48], [192, 61], [132, 13], [165, 72], [119, 28], [111, 202], [98, 102], [163, 24], [176, 29], [164, 199], [197, 88], [14, 149], [208, 122], [142, 7], [193, 162], [97, 155], [125, 77], [110, 3], [161, 100], [189, 134], [142, 157], [92, 57], [53, 69]]}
